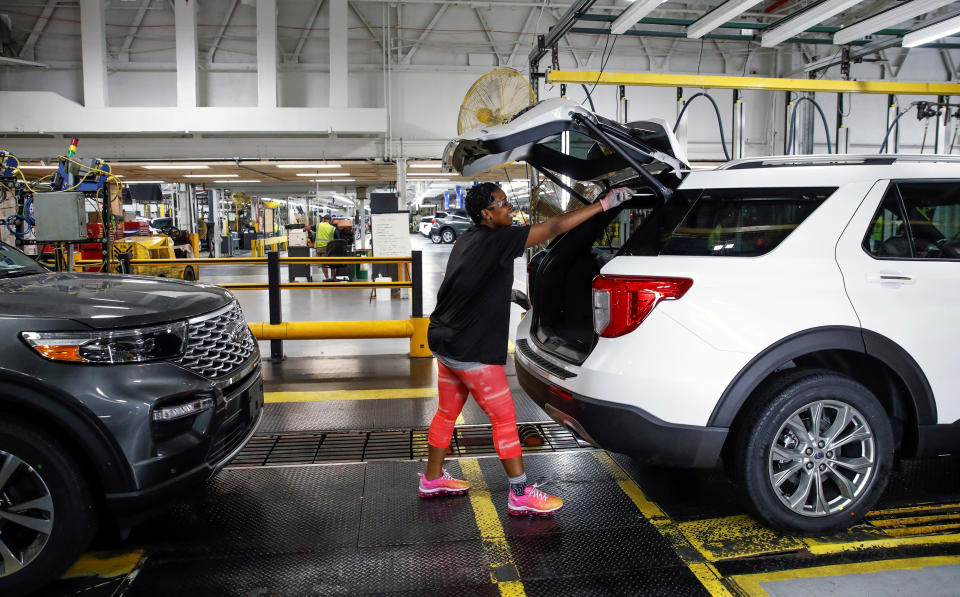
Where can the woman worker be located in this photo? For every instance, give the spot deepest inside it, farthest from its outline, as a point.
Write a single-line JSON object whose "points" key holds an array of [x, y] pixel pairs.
{"points": [[468, 335]]}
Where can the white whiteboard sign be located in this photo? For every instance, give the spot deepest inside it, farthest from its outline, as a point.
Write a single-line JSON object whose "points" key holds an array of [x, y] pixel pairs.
{"points": [[391, 235]]}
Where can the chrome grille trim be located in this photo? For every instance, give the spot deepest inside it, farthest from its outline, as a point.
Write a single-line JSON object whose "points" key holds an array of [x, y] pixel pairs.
{"points": [[218, 343]]}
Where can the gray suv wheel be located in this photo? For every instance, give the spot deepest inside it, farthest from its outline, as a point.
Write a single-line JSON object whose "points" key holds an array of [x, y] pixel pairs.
{"points": [[46, 510], [814, 454], [448, 235]]}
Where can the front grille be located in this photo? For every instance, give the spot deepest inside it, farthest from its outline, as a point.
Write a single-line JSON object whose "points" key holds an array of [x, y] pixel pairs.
{"points": [[218, 343], [524, 347]]}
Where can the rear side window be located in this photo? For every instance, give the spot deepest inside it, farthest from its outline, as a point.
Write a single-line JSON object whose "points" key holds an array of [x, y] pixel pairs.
{"points": [[931, 228], [742, 222]]}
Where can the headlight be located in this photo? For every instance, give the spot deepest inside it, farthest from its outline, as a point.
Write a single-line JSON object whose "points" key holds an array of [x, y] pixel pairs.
{"points": [[125, 346]]}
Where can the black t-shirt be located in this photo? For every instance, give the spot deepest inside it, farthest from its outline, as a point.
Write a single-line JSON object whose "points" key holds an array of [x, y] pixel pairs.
{"points": [[472, 318]]}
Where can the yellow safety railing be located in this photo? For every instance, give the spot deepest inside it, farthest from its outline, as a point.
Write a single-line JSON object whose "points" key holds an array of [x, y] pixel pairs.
{"points": [[258, 245], [276, 331]]}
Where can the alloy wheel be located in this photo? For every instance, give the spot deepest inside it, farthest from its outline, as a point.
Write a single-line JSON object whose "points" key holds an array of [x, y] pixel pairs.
{"points": [[26, 514], [448, 236], [822, 459]]}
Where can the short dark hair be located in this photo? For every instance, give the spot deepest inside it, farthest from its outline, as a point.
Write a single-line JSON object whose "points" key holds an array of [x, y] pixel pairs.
{"points": [[478, 198], [326, 217]]}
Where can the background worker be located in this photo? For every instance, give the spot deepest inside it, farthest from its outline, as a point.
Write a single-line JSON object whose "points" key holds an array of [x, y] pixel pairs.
{"points": [[468, 335], [325, 233]]}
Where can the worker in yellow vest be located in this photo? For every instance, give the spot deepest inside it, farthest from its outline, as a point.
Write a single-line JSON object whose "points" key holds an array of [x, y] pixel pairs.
{"points": [[326, 232]]}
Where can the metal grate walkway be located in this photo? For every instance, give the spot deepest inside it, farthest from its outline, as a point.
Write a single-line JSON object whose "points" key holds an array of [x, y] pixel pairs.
{"points": [[408, 444]]}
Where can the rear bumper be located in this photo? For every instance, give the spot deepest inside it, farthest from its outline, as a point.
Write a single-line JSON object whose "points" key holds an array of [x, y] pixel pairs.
{"points": [[624, 428]]}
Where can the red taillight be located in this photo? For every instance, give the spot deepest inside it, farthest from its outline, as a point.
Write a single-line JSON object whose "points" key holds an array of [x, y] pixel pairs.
{"points": [[433, 221], [558, 392], [621, 303]]}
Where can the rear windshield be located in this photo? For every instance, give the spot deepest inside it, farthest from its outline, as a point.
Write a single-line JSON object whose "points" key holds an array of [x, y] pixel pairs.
{"points": [[741, 222]]}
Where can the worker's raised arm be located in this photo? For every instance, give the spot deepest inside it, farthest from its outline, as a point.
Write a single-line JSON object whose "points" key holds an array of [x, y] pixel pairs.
{"points": [[557, 225]]}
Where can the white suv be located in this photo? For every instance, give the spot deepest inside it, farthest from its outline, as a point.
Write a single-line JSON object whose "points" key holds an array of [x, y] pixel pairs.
{"points": [[791, 316]]}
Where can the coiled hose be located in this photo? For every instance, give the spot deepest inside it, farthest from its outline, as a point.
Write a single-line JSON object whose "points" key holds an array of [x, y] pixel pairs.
{"points": [[723, 140], [27, 219], [793, 124]]}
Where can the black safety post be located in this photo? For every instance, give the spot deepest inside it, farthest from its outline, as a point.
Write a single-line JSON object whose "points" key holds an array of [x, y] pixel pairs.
{"points": [[273, 282], [417, 275]]}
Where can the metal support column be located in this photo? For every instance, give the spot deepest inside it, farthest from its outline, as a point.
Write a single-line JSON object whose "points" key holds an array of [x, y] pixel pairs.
{"points": [[787, 104], [273, 281], [738, 124], [213, 196], [893, 142], [842, 135], [804, 133], [681, 132], [943, 124]]}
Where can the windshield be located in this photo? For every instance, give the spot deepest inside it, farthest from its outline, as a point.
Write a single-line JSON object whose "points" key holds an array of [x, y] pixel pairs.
{"points": [[14, 263]]}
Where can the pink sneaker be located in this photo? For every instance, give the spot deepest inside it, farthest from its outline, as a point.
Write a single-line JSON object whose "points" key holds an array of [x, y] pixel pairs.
{"points": [[533, 502], [442, 485]]}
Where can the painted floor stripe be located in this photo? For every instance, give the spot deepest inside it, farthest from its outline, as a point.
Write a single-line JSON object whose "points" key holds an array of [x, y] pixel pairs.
{"points": [[503, 570], [705, 572], [324, 396], [105, 565], [751, 584]]}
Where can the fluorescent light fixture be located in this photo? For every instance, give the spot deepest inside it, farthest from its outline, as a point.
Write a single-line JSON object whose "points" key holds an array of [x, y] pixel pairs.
{"points": [[437, 165], [335, 180], [432, 174], [304, 166], [38, 167], [718, 16], [803, 20], [228, 181], [933, 32], [145, 182], [211, 175], [887, 19], [633, 13], [177, 167], [324, 174]]}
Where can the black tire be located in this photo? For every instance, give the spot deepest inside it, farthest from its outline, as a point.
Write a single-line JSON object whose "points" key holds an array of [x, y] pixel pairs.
{"points": [[42, 457], [436, 238], [448, 235], [800, 463], [189, 275]]}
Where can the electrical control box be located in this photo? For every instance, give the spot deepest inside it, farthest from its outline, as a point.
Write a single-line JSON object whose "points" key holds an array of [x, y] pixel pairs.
{"points": [[297, 237], [59, 217]]}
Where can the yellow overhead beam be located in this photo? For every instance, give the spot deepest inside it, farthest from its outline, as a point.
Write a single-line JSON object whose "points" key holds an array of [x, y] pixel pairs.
{"points": [[761, 83]]}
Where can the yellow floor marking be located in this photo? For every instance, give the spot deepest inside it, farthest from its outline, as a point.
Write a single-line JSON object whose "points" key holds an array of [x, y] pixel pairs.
{"points": [[750, 584], [915, 520], [324, 396], [821, 547], [510, 347], [460, 419], [921, 530], [736, 537], [520, 282], [705, 572], [495, 545], [912, 509], [105, 565]]}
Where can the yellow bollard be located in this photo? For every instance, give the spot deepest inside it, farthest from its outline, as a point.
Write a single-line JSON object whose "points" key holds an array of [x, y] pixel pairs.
{"points": [[418, 341], [195, 243]]}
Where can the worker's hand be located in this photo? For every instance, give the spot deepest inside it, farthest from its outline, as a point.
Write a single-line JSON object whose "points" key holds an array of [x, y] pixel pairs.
{"points": [[615, 197]]}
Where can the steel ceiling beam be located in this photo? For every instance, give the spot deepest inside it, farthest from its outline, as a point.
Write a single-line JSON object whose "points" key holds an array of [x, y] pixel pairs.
{"points": [[569, 18], [426, 31], [133, 30], [366, 24], [526, 25], [489, 33], [38, 27], [306, 32], [223, 29], [758, 83]]}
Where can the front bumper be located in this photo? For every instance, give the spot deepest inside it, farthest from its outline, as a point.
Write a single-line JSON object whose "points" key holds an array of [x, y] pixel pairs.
{"points": [[621, 427], [234, 425]]}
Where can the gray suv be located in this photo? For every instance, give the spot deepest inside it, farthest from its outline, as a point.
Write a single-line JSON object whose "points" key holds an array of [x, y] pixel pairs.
{"points": [[117, 393], [448, 228]]}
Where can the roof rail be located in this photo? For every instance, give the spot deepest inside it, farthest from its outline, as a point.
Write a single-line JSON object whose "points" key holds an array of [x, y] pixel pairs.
{"points": [[782, 161]]}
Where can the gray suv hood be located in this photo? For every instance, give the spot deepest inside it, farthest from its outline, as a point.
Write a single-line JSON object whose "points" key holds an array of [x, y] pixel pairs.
{"points": [[107, 301]]}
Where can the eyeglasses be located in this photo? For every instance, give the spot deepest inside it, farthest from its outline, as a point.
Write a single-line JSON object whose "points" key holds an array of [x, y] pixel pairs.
{"points": [[501, 203]]}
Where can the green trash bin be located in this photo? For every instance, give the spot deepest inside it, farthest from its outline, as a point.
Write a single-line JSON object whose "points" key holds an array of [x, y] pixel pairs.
{"points": [[358, 272]]}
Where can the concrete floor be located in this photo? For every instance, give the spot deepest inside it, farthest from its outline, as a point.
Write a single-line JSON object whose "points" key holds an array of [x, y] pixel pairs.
{"points": [[312, 508]]}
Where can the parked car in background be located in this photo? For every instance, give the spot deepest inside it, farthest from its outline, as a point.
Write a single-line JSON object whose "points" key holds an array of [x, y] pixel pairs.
{"points": [[792, 317], [163, 225], [426, 225], [448, 228], [117, 394]]}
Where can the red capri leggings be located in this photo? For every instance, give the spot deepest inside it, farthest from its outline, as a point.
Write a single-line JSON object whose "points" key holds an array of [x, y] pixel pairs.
{"points": [[489, 387]]}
